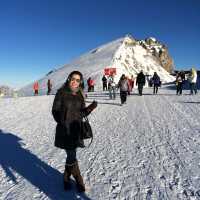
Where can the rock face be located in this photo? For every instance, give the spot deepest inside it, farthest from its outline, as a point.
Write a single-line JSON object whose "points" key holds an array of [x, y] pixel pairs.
{"points": [[135, 55], [160, 51]]}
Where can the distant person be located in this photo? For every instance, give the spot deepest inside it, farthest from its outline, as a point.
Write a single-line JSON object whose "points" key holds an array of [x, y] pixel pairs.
{"points": [[111, 87], [49, 86], [156, 82], [92, 83], [130, 84], [104, 81], [140, 81], [132, 81], [89, 84], [36, 88], [123, 86], [68, 111], [193, 81], [180, 78]]}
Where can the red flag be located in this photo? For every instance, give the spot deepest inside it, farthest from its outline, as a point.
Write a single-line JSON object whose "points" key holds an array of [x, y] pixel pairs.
{"points": [[110, 71]]}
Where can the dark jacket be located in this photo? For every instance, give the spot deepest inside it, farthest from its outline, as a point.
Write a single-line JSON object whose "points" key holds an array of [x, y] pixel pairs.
{"points": [[140, 79], [156, 80], [68, 111], [104, 79], [123, 85]]}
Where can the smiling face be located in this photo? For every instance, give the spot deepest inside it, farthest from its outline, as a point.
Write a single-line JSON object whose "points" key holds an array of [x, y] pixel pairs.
{"points": [[75, 81]]}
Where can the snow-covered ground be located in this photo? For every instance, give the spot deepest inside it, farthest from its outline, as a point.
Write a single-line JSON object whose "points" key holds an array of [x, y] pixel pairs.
{"points": [[148, 149]]}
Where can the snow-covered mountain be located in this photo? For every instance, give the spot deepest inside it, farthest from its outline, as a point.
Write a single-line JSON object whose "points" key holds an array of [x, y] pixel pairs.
{"points": [[127, 55]]}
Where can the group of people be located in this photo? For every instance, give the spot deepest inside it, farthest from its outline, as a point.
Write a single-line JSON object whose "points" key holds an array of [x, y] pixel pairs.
{"points": [[36, 87], [109, 81], [126, 85], [181, 77]]}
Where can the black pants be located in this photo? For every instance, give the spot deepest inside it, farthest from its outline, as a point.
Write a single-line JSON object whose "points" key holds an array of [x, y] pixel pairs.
{"points": [[49, 91], [140, 88], [155, 89], [105, 86], [179, 88], [36, 92], [71, 156], [123, 96], [193, 87]]}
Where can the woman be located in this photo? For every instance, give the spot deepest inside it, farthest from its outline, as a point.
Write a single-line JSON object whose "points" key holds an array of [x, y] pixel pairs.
{"points": [[123, 86], [193, 81], [180, 78], [156, 82], [68, 111]]}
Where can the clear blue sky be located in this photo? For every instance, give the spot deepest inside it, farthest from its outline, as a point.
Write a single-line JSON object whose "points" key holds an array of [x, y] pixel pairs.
{"points": [[39, 35]]}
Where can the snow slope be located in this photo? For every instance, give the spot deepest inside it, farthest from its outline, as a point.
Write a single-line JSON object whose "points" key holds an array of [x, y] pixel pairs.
{"points": [[148, 149], [124, 54], [90, 64]]}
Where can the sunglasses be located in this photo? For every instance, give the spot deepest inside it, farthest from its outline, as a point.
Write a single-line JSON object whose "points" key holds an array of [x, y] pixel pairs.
{"points": [[77, 80]]}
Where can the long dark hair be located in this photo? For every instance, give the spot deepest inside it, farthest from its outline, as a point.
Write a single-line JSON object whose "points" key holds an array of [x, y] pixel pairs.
{"points": [[70, 76], [66, 84]]}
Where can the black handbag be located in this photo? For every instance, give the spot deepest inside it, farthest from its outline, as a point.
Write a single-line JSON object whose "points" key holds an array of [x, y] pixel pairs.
{"points": [[86, 129]]}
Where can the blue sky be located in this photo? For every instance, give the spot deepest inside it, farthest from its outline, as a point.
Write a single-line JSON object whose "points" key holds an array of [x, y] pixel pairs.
{"points": [[39, 35]]}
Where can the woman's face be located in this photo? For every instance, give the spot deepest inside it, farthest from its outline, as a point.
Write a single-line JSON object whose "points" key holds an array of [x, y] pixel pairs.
{"points": [[75, 82]]}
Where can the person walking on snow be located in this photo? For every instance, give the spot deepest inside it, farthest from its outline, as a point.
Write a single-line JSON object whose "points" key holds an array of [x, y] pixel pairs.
{"points": [[111, 87], [36, 88], [180, 78], [130, 84], [88, 83], [92, 83], [140, 81], [104, 81], [68, 111], [193, 81], [49, 86], [123, 86], [156, 82]]}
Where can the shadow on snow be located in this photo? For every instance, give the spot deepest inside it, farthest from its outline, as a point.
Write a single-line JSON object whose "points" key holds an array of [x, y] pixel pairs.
{"points": [[13, 157]]}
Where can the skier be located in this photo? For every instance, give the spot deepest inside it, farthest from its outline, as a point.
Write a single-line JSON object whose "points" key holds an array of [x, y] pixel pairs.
{"points": [[36, 88], [123, 86], [49, 86], [156, 82], [68, 111], [140, 81]]}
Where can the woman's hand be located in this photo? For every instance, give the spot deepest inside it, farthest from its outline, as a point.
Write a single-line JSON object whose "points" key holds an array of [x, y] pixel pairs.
{"points": [[93, 105]]}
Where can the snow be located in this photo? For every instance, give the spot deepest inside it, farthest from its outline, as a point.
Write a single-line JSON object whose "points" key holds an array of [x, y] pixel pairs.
{"points": [[90, 64], [130, 60], [148, 148]]}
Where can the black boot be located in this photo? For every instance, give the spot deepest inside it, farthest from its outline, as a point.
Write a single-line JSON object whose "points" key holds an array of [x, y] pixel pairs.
{"points": [[79, 179], [66, 177]]}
